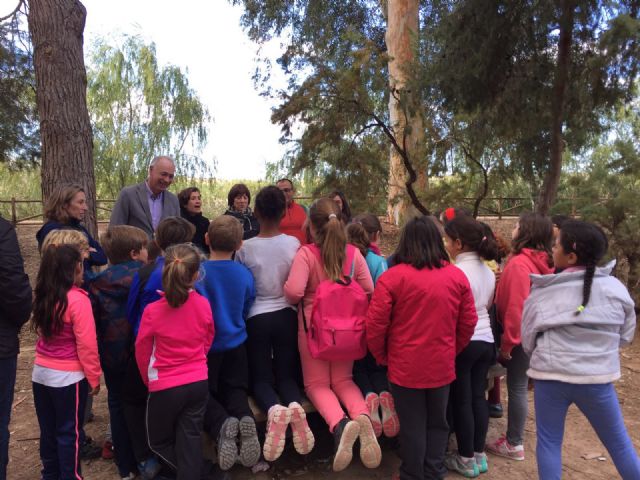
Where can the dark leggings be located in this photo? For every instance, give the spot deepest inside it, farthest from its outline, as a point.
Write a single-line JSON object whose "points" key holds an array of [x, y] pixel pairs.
{"points": [[369, 376], [470, 407], [272, 348]]}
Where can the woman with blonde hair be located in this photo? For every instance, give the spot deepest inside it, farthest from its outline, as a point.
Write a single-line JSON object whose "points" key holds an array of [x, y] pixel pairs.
{"points": [[329, 383]]}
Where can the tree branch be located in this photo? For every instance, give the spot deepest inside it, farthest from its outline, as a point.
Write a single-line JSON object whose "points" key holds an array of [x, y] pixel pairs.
{"points": [[14, 12]]}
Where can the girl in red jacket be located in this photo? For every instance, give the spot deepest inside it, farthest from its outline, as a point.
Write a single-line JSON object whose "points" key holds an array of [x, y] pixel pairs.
{"points": [[532, 238], [175, 335], [67, 366], [421, 316]]}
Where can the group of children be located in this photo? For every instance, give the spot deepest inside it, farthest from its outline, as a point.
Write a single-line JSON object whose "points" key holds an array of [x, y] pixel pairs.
{"points": [[182, 340]]}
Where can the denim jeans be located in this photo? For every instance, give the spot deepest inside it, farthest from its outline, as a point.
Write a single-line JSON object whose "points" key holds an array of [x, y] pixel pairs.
{"points": [[517, 386], [7, 384], [599, 403]]}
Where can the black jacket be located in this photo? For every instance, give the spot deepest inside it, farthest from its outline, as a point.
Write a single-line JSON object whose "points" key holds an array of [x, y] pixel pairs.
{"points": [[202, 226], [250, 224], [15, 291]]}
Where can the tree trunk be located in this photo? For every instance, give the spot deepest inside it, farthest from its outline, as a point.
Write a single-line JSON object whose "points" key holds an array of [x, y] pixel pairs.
{"points": [[56, 28], [404, 108], [552, 177]]}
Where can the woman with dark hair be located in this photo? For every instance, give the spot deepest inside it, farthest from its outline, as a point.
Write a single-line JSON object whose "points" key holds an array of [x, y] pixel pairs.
{"points": [[238, 200], [65, 210], [191, 210], [421, 316], [345, 211], [530, 254]]}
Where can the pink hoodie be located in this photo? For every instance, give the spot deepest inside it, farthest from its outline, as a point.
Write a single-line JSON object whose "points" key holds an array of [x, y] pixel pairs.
{"points": [[75, 348], [513, 289], [172, 343]]}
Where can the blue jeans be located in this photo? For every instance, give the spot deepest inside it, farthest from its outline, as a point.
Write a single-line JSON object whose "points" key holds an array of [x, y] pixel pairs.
{"points": [[599, 403], [7, 384]]}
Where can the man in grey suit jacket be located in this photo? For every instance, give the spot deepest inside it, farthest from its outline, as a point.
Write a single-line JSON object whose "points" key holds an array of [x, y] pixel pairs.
{"points": [[145, 204]]}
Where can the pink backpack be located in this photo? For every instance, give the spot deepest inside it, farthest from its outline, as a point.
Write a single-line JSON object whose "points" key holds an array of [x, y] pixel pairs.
{"points": [[337, 327]]}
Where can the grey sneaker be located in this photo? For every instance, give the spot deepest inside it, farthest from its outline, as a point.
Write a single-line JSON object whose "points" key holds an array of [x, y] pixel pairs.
{"points": [[249, 444], [465, 467], [227, 448]]}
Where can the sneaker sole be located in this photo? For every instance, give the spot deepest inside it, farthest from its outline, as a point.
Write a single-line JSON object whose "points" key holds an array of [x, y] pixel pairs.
{"points": [[504, 455], [373, 406], [344, 453], [303, 439], [249, 443], [227, 448], [370, 452], [275, 437], [390, 420]]}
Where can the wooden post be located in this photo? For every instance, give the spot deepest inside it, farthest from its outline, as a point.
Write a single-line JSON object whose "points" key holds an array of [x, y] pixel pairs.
{"points": [[14, 218]]}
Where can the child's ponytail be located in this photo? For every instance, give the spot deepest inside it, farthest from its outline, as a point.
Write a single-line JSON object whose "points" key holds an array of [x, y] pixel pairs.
{"points": [[57, 274], [181, 264], [590, 244], [473, 235], [329, 236]]}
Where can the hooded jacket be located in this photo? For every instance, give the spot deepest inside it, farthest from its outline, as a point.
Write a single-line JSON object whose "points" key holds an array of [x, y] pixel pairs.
{"points": [[15, 291], [513, 289], [580, 349]]}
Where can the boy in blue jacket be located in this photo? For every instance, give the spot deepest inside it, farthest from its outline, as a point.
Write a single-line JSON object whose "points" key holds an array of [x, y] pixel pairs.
{"points": [[229, 287]]}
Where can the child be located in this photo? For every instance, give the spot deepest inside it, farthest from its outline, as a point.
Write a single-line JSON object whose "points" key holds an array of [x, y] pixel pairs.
{"points": [[470, 246], [329, 383], [126, 250], [229, 287], [175, 335], [573, 325], [370, 377], [531, 253], [67, 366], [421, 316], [67, 237], [145, 287], [272, 328]]}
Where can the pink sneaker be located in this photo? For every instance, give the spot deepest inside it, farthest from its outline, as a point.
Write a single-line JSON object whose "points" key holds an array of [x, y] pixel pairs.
{"points": [[373, 407], [303, 439], [390, 420], [503, 448], [278, 419]]}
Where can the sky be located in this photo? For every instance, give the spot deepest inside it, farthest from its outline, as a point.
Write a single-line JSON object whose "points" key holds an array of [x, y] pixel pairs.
{"points": [[204, 38]]}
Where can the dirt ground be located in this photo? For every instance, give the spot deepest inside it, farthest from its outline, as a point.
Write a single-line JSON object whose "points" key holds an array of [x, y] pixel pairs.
{"points": [[580, 440]]}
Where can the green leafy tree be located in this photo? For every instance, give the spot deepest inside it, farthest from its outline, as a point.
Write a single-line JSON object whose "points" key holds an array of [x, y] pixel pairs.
{"points": [[140, 109]]}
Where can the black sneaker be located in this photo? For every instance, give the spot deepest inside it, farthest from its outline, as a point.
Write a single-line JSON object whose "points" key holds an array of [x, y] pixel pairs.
{"points": [[495, 410], [90, 450], [345, 435]]}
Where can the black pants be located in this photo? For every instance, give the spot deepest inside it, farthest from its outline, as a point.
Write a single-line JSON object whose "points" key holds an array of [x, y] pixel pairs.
{"points": [[60, 412], [470, 409], [228, 387], [125, 458], [134, 402], [272, 349], [174, 424], [7, 384], [369, 376], [424, 433]]}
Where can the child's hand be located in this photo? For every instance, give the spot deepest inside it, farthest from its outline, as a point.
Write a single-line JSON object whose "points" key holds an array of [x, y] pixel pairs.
{"points": [[95, 390]]}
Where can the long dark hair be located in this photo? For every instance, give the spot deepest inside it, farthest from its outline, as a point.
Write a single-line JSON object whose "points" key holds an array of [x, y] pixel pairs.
{"points": [[534, 232], [472, 235], [421, 245], [590, 245], [56, 276], [346, 210]]}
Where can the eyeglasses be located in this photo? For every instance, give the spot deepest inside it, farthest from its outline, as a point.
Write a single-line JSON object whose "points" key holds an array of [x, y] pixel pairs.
{"points": [[286, 190]]}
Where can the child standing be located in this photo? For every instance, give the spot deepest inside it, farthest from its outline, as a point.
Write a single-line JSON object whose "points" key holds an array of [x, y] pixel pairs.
{"points": [[370, 377], [330, 383], [531, 253], [421, 316], [67, 366], [174, 337], [126, 250], [272, 328], [573, 325], [229, 287], [470, 246]]}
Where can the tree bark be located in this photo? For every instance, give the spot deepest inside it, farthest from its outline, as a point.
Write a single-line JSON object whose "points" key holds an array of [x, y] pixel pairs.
{"points": [[552, 177], [404, 108], [56, 28]]}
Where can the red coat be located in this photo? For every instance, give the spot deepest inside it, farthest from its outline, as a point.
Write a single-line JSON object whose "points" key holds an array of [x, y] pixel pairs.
{"points": [[418, 321], [513, 289]]}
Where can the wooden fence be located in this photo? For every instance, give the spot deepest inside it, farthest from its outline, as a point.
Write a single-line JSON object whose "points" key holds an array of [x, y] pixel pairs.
{"points": [[490, 207]]}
